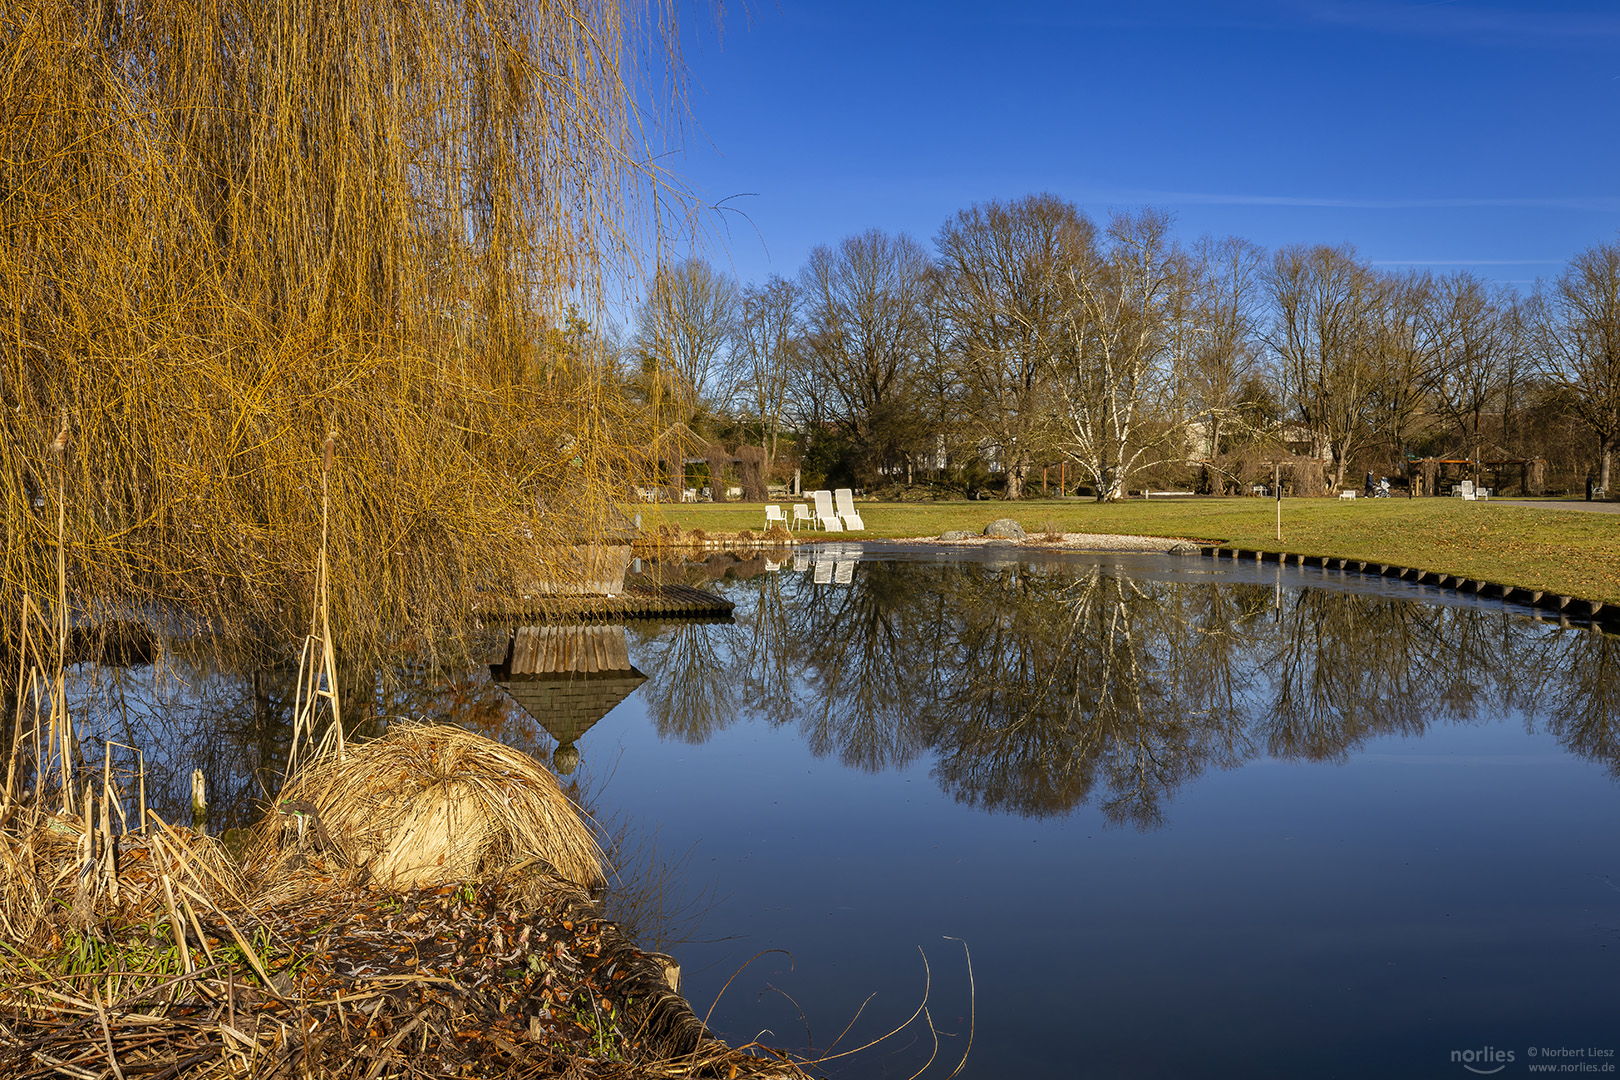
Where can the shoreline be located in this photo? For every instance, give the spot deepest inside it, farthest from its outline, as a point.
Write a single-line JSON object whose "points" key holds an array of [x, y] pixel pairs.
{"points": [[1539, 603], [1079, 541]]}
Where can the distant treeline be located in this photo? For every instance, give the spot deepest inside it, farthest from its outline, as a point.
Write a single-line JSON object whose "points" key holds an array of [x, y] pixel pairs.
{"points": [[1032, 336]]}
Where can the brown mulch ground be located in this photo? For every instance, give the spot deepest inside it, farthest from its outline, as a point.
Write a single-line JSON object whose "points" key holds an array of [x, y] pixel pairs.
{"points": [[448, 981]]}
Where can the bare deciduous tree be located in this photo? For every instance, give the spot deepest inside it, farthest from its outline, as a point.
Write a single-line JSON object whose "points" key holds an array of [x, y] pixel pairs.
{"points": [[765, 354], [1402, 354], [1475, 348], [1006, 271], [682, 327], [866, 328], [1225, 356], [1120, 380], [1576, 332], [1319, 336]]}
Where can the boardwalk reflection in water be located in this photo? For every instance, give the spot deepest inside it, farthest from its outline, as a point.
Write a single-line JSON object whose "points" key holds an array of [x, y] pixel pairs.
{"points": [[566, 678], [1041, 685]]}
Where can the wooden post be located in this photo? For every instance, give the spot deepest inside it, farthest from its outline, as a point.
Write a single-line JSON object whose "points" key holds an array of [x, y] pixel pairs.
{"points": [[1043, 480], [199, 801]]}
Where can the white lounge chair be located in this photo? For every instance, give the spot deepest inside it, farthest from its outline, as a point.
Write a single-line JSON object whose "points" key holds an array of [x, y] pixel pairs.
{"points": [[774, 516], [843, 571], [821, 572], [801, 512], [846, 509], [826, 516]]}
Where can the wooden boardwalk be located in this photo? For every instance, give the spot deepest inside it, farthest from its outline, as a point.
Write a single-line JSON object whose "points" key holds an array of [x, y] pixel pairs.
{"points": [[636, 602], [1542, 605]]}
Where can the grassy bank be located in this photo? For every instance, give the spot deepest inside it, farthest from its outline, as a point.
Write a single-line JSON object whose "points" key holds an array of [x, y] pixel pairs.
{"points": [[1544, 547]]}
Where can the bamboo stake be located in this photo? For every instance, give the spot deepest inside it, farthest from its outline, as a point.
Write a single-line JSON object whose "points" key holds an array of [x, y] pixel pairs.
{"points": [[1276, 485]]}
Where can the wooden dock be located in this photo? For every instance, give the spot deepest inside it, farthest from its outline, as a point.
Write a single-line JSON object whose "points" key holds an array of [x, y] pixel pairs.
{"points": [[638, 601]]}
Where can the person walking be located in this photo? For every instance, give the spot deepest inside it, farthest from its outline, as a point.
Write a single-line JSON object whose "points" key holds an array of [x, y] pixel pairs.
{"points": [[1588, 487]]}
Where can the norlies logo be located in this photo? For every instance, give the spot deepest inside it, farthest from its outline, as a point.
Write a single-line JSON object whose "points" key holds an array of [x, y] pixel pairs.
{"points": [[1484, 1061]]}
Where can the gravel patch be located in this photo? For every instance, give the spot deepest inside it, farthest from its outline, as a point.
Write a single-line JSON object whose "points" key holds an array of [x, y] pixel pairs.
{"points": [[1071, 541]]}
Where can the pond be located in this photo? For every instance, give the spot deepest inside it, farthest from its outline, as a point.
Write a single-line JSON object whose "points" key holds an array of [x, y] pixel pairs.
{"points": [[1182, 817]]}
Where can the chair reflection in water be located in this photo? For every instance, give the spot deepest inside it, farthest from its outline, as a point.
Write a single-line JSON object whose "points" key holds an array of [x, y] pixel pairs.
{"points": [[831, 564], [567, 678]]}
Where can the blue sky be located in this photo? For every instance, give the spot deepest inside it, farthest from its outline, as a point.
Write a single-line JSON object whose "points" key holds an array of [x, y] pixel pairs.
{"points": [[1466, 135]]}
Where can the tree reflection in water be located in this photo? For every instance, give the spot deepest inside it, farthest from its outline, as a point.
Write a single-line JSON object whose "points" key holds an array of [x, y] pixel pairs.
{"points": [[1039, 686], [1035, 685]]}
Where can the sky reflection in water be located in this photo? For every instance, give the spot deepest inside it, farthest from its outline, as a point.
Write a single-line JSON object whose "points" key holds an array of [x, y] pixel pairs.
{"points": [[1191, 820]]}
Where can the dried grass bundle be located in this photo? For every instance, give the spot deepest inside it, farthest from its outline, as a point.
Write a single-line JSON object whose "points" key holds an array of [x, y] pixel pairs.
{"points": [[434, 804]]}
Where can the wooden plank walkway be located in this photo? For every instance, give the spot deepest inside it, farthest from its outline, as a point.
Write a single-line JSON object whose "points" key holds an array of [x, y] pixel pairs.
{"points": [[1544, 604], [636, 602]]}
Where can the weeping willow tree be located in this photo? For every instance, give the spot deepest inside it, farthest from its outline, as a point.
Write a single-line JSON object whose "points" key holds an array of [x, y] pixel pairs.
{"points": [[230, 228]]}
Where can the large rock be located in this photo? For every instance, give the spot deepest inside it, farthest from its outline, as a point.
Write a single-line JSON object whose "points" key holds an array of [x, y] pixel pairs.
{"points": [[1005, 528], [1185, 548]]}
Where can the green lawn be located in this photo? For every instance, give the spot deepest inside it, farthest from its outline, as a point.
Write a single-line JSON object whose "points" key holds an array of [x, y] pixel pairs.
{"points": [[1558, 550]]}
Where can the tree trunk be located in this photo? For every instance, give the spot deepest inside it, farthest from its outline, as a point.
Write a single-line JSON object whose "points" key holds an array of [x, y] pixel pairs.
{"points": [[1015, 483], [1477, 442], [1605, 459]]}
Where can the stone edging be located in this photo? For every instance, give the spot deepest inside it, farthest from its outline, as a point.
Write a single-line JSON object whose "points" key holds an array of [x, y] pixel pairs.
{"points": [[1541, 602]]}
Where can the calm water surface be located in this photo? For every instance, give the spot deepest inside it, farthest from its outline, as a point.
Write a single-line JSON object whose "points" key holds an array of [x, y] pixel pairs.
{"points": [[1187, 819]]}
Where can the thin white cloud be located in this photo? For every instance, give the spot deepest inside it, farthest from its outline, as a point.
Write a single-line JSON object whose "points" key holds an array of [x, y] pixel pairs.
{"points": [[1469, 262], [1464, 20], [1587, 204]]}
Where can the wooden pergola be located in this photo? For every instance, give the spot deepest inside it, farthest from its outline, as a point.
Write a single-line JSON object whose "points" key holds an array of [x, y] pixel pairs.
{"points": [[1431, 473]]}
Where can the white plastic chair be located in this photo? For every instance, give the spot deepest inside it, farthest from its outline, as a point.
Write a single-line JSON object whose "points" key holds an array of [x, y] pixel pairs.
{"points": [[801, 513], [846, 509], [774, 516], [826, 517], [1467, 490]]}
